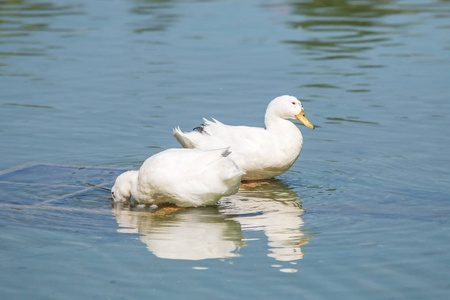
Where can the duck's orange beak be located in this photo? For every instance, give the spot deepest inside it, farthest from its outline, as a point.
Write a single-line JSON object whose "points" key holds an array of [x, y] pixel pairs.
{"points": [[302, 118]]}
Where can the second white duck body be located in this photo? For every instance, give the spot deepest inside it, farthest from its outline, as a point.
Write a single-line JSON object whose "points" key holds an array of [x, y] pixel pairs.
{"points": [[260, 153], [185, 177]]}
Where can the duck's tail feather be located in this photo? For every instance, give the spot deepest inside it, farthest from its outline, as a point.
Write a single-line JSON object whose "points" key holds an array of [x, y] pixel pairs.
{"points": [[183, 138]]}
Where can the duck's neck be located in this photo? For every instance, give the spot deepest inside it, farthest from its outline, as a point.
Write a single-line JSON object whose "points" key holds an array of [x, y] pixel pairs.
{"points": [[133, 180], [275, 123], [286, 132]]}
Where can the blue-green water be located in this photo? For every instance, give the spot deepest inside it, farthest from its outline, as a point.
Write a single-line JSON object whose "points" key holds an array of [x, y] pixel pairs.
{"points": [[363, 213]]}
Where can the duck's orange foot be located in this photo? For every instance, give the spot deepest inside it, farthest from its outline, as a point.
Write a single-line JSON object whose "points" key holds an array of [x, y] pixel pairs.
{"points": [[167, 210], [253, 184], [170, 208]]}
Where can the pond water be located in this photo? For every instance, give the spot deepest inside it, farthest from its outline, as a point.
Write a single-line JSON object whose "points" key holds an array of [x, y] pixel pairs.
{"points": [[363, 213]]}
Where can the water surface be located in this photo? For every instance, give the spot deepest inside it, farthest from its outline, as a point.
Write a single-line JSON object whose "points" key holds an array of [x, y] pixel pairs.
{"points": [[363, 213]]}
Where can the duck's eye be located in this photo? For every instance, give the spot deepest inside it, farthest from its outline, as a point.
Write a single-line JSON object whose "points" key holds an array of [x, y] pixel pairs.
{"points": [[293, 103], [112, 194]]}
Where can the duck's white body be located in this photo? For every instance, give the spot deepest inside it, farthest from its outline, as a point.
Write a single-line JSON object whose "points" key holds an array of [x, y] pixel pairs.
{"points": [[260, 153], [186, 177]]}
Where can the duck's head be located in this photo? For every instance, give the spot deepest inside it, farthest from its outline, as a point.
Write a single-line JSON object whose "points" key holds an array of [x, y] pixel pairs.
{"points": [[288, 107], [121, 191]]}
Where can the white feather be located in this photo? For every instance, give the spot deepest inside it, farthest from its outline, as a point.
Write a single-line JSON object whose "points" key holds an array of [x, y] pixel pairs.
{"points": [[261, 152], [186, 177]]}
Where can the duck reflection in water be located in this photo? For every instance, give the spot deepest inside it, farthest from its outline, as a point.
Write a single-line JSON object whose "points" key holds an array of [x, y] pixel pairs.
{"points": [[217, 231], [275, 209], [182, 233]]}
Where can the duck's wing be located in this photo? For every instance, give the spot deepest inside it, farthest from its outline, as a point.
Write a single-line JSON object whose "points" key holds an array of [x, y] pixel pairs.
{"points": [[201, 137], [214, 135], [210, 165], [192, 177], [180, 167]]}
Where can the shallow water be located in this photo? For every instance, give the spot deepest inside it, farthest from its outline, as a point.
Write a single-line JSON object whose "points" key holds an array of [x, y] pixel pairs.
{"points": [[363, 213]]}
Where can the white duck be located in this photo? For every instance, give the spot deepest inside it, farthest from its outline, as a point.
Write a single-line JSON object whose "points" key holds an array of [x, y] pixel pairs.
{"points": [[260, 153], [186, 177]]}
